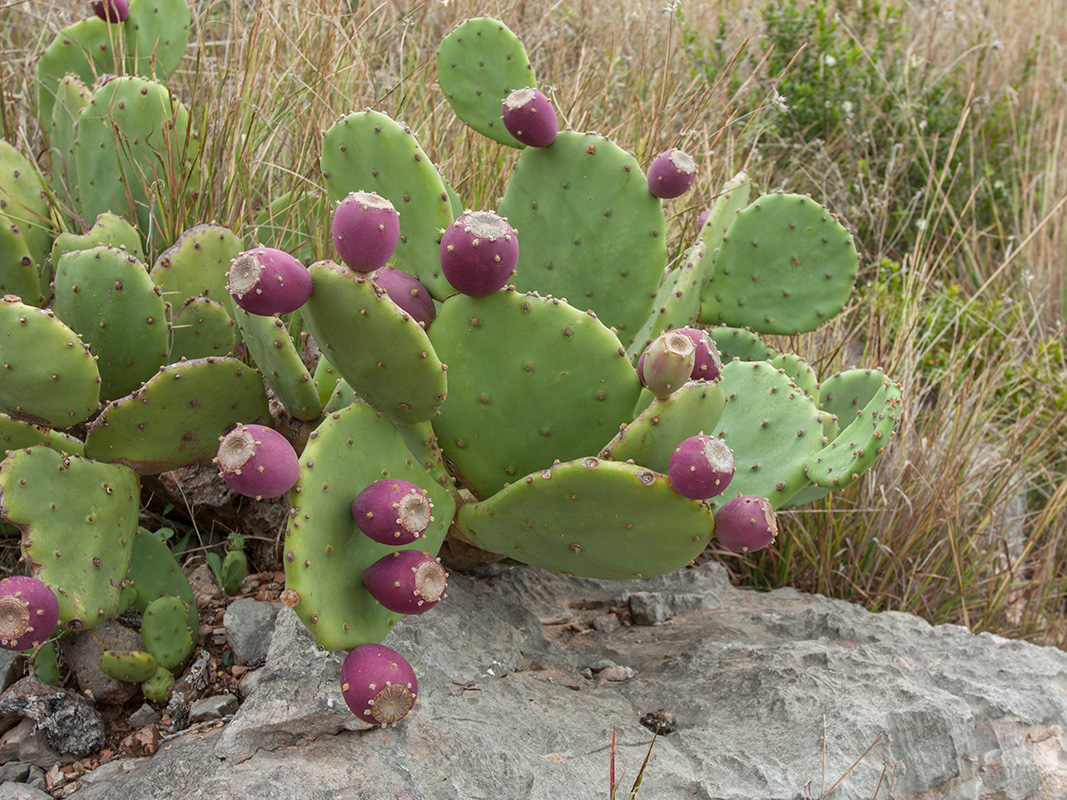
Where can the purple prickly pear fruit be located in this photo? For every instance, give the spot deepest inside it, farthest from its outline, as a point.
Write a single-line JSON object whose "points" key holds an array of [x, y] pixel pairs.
{"points": [[746, 524], [667, 363], [29, 612], [671, 174], [111, 10], [266, 281], [392, 511], [366, 230], [708, 363], [530, 118], [479, 252], [257, 461], [703, 218], [406, 581], [701, 467], [407, 292], [378, 684]]}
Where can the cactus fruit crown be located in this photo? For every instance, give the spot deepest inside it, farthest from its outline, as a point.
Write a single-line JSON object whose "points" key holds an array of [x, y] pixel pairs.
{"points": [[486, 225], [14, 618], [244, 274], [431, 581], [520, 97], [236, 449], [414, 512], [391, 704], [678, 343], [682, 160], [720, 457], [371, 200]]}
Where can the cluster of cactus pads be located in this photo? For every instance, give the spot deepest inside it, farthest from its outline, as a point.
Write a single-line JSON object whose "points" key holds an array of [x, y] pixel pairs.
{"points": [[538, 380]]}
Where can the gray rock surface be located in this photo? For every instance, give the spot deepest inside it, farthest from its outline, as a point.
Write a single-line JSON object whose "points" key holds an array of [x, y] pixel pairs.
{"points": [[763, 688], [82, 651], [249, 624], [20, 791], [69, 721]]}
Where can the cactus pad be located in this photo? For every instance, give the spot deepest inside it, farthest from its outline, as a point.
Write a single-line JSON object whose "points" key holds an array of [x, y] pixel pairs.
{"points": [[201, 328], [741, 344], [599, 519], [479, 64], [131, 666], [78, 519], [196, 264], [16, 434], [19, 274], [377, 348], [155, 572], [85, 49], [23, 201], [47, 374], [166, 633], [109, 229], [784, 266], [590, 231], [324, 553], [368, 151], [177, 417], [540, 381], [676, 301], [106, 296]]}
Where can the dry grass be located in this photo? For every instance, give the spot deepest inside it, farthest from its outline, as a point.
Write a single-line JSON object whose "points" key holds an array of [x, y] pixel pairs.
{"points": [[965, 518]]}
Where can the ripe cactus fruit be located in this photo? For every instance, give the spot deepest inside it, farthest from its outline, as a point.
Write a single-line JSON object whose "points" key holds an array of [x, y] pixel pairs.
{"points": [[407, 581], [257, 461], [266, 281], [708, 363], [378, 684], [746, 524], [530, 118], [701, 467], [112, 11], [479, 252], [407, 292], [671, 174], [392, 511], [366, 230], [667, 363], [29, 612]]}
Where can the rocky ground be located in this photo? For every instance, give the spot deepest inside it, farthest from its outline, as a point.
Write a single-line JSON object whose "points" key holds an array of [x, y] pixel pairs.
{"points": [[524, 675]]}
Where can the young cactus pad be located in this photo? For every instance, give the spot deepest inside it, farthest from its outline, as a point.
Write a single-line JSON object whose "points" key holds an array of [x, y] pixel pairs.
{"points": [[479, 64], [598, 519], [78, 519], [19, 275], [368, 151], [541, 381], [23, 202], [591, 232], [380, 350], [784, 266], [324, 553]]}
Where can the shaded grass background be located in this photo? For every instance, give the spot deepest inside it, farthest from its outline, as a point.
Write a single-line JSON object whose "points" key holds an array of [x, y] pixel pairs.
{"points": [[935, 130]]}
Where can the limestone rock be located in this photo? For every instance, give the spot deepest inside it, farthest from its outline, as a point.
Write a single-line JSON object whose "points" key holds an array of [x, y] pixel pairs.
{"points": [[249, 624]]}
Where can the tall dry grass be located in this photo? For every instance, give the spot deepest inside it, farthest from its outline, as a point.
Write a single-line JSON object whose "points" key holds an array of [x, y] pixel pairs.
{"points": [[963, 300]]}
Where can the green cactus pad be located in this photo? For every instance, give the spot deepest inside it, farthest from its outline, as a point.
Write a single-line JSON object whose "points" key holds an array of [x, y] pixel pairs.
{"points": [[105, 295], [47, 374], [589, 230], [271, 347], [799, 372], [16, 434], [201, 328], [131, 666], [772, 427], [479, 64], [78, 519], [342, 397], [45, 665], [109, 229], [845, 394], [19, 273], [598, 519], [178, 416], [651, 438], [367, 151], [324, 551], [131, 139], [166, 633], [735, 195], [539, 381], [784, 266], [676, 302], [156, 33], [157, 688], [859, 444], [740, 344], [72, 95], [196, 264], [155, 572], [85, 49], [23, 201], [325, 379], [381, 351]]}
